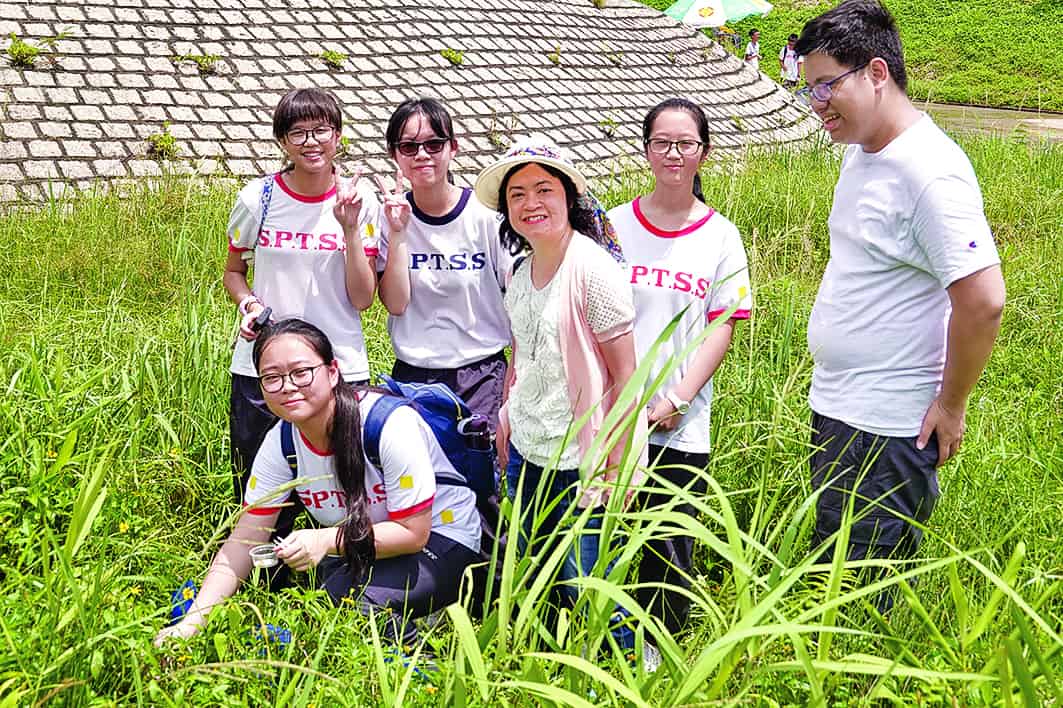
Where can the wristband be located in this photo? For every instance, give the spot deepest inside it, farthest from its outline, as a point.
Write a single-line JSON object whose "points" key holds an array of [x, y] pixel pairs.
{"points": [[246, 303]]}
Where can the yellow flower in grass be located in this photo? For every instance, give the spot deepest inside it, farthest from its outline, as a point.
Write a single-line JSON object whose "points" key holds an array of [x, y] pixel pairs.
{"points": [[188, 593], [52, 454], [122, 527], [135, 590], [430, 690]]}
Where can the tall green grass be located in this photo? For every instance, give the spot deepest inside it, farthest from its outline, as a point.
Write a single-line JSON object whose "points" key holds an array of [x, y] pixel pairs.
{"points": [[114, 344]]}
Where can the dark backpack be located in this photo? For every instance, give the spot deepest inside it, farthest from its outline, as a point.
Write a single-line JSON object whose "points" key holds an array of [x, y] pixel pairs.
{"points": [[463, 435]]}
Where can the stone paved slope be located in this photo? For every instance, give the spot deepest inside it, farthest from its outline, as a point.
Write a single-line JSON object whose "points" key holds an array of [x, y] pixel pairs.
{"points": [[112, 82]]}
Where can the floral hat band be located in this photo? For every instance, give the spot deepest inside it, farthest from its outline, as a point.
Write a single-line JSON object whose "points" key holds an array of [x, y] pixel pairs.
{"points": [[540, 149]]}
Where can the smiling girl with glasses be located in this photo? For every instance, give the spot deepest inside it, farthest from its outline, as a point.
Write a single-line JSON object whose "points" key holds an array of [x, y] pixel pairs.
{"points": [[303, 230], [389, 538], [686, 261], [441, 267]]}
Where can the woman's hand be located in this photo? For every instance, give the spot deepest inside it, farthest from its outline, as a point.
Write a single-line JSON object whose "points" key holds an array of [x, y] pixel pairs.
{"points": [[348, 203], [182, 630], [305, 548], [396, 207], [664, 415], [502, 443]]}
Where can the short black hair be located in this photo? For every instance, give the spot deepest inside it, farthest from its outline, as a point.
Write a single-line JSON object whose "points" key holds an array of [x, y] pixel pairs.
{"points": [[792, 38], [306, 104], [854, 33], [753, 31]]}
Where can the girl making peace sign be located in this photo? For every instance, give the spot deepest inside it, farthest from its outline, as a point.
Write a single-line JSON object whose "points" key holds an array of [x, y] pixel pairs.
{"points": [[443, 267]]}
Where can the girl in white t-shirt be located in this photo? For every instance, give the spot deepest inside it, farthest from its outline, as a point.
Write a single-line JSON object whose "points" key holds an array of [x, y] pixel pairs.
{"points": [[442, 268], [389, 537], [685, 260], [304, 228]]}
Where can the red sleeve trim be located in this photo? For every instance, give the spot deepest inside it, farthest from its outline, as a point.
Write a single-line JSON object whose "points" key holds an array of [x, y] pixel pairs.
{"points": [[736, 315], [371, 252], [236, 249], [416, 509], [262, 510]]}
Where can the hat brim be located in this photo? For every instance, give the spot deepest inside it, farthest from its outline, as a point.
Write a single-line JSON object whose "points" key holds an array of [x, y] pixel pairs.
{"points": [[490, 178]]}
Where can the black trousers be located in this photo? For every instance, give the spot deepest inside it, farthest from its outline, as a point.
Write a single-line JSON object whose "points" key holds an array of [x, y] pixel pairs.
{"points": [[671, 560], [890, 483], [411, 586]]}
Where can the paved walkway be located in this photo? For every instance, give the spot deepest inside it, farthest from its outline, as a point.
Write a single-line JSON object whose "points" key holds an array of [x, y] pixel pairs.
{"points": [[998, 121]]}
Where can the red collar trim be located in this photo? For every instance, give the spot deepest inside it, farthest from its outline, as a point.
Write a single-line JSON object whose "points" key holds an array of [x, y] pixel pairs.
{"points": [[279, 179], [668, 234], [311, 448]]}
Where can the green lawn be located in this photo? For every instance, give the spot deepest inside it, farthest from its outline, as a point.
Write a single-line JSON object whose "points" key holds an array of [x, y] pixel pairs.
{"points": [[1006, 53], [114, 335]]}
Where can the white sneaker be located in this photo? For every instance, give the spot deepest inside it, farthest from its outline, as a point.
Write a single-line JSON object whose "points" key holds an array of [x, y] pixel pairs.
{"points": [[651, 658]]}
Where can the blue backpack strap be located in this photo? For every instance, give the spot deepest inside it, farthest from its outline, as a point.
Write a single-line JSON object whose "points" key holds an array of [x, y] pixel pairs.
{"points": [[265, 198], [374, 425], [288, 447]]}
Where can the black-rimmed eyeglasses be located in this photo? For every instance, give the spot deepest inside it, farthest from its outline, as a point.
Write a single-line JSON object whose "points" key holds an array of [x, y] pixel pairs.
{"points": [[320, 134], [660, 146], [823, 91], [300, 378]]}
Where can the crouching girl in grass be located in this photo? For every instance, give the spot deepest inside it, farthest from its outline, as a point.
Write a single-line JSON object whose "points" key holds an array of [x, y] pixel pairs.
{"points": [[388, 536], [685, 259]]}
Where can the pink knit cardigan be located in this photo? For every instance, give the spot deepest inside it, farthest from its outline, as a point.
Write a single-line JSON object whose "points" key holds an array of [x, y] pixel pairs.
{"points": [[586, 374]]}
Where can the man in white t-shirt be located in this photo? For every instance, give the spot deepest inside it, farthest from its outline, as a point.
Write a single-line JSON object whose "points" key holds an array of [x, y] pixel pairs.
{"points": [[753, 49], [790, 62], [911, 300]]}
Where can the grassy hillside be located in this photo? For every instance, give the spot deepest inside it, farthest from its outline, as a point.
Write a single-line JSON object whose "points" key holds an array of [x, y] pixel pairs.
{"points": [[1006, 53], [114, 333]]}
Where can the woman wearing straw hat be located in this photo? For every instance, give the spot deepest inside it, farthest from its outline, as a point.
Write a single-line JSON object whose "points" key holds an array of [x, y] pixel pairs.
{"points": [[571, 312]]}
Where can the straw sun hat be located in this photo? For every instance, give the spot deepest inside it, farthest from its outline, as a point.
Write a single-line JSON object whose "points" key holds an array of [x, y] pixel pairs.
{"points": [[534, 148]]}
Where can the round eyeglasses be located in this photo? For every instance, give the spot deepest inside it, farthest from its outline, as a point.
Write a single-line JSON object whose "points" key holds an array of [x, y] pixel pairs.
{"points": [[823, 91], [660, 146], [409, 148], [320, 134], [300, 378]]}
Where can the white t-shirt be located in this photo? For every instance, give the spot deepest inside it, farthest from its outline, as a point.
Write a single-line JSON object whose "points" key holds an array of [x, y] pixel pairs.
{"points": [[411, 458], [300, 266], [790, 61], [753, 55], [700, 271], [457, 266], [906, 223]]}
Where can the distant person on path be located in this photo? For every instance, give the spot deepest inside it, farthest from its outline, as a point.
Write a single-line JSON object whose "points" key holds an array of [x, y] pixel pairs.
{"points": [[753, 49], [303, 229], [388, 536], [573, 345], [911, 300], [684, 257], [442, 268], [790, 61]]}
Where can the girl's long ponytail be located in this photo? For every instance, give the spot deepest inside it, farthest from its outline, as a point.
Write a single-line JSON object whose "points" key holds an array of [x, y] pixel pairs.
{"points": [[355, 534]]}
